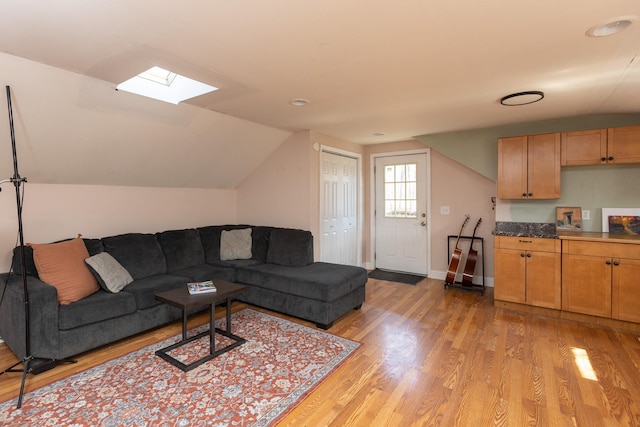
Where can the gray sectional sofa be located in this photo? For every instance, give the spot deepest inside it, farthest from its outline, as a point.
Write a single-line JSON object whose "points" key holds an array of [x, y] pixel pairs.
{"points": [[280, 275]]}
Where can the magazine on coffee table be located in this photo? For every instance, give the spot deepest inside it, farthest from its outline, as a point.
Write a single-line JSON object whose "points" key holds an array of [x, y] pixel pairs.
{"points": [[196, 288]]}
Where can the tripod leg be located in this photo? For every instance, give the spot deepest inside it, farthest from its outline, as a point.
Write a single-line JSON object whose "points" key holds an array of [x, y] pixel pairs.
{"points": [[27, 362]]}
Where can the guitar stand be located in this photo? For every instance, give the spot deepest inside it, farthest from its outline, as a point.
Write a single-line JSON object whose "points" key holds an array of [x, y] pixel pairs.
{"points": [[459, 285]]}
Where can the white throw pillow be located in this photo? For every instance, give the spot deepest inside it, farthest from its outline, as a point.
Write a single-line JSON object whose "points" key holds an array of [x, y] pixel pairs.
{"points": [[111, 275], [235, 244]]}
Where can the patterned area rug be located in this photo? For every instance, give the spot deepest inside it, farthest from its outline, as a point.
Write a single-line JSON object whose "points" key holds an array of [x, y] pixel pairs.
{"points": [[252, 385]]}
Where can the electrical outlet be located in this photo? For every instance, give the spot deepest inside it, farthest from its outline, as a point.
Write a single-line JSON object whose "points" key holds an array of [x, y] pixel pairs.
{"points": [[586, 214], [444, 210]]}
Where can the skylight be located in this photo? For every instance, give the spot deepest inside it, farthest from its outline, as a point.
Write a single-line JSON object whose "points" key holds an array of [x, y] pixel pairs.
{"points": [[165, 85]]}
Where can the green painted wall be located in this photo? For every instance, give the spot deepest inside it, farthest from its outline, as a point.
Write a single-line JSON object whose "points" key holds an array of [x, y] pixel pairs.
{"points": [[588, 187]]}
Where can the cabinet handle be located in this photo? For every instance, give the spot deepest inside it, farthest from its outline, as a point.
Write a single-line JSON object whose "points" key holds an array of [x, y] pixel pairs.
{"points": [[522, 255], [603, 159], [616, 263], [524, 194], [525, 241], [608, 262], [528, 255], [530, 194], [610, 158]]}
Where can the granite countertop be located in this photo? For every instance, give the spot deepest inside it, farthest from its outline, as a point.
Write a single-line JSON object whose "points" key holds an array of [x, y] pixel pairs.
{"points": [[546, 230], [526, 229]]}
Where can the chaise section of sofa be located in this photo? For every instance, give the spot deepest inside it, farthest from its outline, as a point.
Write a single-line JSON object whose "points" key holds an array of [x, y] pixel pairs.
{"points": [[318, 292]]}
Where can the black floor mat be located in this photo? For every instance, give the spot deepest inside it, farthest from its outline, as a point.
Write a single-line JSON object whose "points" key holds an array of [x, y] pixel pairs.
{"points": [[392, 276]]}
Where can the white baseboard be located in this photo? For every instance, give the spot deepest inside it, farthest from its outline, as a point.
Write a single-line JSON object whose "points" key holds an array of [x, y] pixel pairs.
{"points": [[440, 275]]}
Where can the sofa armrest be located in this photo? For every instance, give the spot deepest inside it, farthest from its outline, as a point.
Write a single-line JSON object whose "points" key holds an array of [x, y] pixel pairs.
{"points": [[43, 315]]}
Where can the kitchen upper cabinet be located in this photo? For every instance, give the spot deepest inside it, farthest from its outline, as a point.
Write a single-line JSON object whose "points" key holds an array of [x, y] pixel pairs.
{"points": [[600, 279], [529, 167], [527, 271], [601, 146], [623, 145], [587, 147]]}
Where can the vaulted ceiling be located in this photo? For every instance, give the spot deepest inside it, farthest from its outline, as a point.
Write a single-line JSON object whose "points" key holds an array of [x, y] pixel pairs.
{"points": [[372, 70]]}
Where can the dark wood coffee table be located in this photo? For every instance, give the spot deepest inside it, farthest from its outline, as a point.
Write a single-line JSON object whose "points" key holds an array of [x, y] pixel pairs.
{"points": [[181, 299]]}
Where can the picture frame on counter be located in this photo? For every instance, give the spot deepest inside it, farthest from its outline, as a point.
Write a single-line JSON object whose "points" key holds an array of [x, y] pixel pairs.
{"points": [[621, 220], [569, 218]]}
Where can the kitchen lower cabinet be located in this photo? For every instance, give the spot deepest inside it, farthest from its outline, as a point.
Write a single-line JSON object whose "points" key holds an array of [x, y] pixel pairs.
{"points": [[586, 284], [527, 271], [601, 279], [625, 290]]}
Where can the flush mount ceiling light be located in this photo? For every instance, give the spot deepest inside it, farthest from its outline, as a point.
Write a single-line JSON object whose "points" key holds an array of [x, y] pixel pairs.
{"points": [[164, 85], [522, 98], [611, 27], [299, 102]]}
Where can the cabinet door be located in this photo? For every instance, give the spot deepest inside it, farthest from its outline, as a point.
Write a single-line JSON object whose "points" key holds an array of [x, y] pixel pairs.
{"points": [[543, 164], [509, 275], [586, 284], [512, 167], [583, 148], [624, 144], [625, 299], [543, 279]]}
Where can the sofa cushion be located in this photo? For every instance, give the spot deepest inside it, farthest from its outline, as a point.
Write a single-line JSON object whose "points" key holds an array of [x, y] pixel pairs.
{"points": [[145, 290], [200, 273], [260, 242], [319, 281], [293, 248], [62, 266], [210, 238], [95, 308], [30, 265], [235, 244], [182, 248], [140, 254], [94, 246], [111, 275]]}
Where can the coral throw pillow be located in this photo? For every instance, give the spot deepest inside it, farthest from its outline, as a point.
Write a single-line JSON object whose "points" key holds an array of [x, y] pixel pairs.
{"points": [[62, 265]]}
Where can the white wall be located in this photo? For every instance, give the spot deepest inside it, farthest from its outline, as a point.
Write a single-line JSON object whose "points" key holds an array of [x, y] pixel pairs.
{"points": [[277, 192], [52, 212], [72, 129]]}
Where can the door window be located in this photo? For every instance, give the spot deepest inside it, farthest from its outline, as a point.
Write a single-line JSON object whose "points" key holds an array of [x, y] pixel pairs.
{"points": [[400, 192]]}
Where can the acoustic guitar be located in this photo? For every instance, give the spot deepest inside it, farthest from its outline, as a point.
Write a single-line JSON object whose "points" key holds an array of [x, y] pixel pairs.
{"points": [[454, 264], [472, 258]]}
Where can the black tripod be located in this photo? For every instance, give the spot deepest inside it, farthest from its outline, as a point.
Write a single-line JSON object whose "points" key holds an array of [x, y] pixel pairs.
{"points": [[17, 182]]}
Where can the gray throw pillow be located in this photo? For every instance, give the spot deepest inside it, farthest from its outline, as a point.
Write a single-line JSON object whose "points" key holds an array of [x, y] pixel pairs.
{"points": [[111, 275], [235, 244]]}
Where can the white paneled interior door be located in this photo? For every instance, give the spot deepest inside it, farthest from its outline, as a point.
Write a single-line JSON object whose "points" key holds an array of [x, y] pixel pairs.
{"points": [[401, 214], [339, 207]]}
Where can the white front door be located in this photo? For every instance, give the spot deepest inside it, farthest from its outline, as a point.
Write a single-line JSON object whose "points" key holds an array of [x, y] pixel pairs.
{"points": [[401, 214], [339, 209]]}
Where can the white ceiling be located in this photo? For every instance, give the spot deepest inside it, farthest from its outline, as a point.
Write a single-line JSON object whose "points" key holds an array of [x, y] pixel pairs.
{"points": [[402, 68]]}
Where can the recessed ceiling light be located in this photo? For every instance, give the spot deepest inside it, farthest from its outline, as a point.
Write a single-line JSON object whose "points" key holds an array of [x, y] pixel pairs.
{"points": [[522, 98], [164, 85], [611, 27], [299, 102], [378, 134]]}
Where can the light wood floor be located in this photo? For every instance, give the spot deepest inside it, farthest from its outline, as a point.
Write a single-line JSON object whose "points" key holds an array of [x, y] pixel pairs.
{"points": [[439, 357]]}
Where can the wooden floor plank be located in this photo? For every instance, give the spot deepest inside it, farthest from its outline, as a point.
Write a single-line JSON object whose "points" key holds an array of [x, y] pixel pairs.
{"points": [[442, 357]]}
